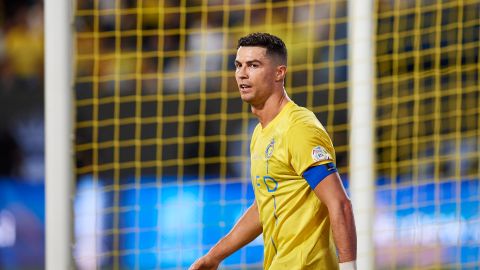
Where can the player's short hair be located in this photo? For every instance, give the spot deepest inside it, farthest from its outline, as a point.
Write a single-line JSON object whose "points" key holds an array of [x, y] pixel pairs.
{"points": [[274, 45]]}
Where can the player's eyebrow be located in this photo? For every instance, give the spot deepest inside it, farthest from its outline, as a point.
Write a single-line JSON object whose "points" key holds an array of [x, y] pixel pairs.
{"points": [[249, 62]]}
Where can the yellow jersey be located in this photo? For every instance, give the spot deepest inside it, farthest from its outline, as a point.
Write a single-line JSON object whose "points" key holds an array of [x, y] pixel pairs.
{"points": [[296, 225]]}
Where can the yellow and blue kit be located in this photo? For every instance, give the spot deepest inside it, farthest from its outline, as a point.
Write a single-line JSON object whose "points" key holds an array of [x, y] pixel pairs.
{"points": [[296, 225]]}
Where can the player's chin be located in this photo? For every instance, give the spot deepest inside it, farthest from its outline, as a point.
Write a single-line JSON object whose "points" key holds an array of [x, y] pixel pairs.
{"points": [[246, 97]]}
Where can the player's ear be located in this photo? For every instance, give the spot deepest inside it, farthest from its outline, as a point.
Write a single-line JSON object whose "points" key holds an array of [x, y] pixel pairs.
{"points": [[281, 73]]}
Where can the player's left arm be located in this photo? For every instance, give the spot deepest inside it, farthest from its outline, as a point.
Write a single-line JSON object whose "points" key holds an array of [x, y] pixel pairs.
{"points": [[331, 192], [314, 158]]}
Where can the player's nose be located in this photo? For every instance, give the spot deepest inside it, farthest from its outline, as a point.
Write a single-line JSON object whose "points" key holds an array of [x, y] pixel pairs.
{"points": [[241, 73]]}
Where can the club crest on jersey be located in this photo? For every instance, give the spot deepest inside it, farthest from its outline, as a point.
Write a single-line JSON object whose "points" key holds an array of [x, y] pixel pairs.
{"points": [[319, 153], [269, 149]]}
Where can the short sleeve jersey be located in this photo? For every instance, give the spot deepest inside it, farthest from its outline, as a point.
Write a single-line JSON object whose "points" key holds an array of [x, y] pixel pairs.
{"points": [[296, 226]]}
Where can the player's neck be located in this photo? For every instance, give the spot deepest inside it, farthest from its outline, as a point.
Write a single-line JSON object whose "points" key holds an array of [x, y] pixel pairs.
{"points": [[271, 108]]}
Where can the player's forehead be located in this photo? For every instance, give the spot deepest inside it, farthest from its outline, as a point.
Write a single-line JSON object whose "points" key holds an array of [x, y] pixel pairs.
{"points": [[251, 53]]}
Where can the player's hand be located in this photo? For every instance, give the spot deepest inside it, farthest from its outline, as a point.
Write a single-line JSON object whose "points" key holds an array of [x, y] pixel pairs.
{"points": [[205, 263]]}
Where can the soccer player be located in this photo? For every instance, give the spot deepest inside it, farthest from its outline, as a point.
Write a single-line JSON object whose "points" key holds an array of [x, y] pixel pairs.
{"points": [[300, 203]]}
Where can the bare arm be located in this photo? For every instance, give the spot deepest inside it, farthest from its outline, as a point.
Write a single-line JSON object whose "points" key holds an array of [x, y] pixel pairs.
{"points": [[331, 192], [247, 228]]}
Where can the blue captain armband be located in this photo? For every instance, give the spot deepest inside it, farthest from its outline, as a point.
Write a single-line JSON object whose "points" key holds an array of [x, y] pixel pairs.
{"points": [[316, 174]]}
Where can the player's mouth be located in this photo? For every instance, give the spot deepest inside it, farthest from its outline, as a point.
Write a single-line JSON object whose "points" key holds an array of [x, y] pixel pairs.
{"points": [[244, 86]]}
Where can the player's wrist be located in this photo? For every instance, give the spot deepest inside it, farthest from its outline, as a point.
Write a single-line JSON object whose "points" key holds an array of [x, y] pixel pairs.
{"points": [[351, 265], [211, 259], [214, 256], [217, 253]]}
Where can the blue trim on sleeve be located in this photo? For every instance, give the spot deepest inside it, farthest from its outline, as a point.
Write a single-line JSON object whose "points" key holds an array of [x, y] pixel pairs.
{"points": [[316, 174]]}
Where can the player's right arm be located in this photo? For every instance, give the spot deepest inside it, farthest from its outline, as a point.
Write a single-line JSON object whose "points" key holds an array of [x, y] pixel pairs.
{"points": [[247, 228]]}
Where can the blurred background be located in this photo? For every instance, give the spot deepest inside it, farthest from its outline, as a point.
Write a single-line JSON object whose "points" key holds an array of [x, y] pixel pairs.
{"points": [[162, 138], [22, 213]]}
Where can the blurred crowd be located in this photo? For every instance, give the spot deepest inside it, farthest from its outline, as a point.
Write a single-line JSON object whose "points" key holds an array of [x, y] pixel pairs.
{"points": [[192, 43], [170, 50], [21, 90], [22, 237]]}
